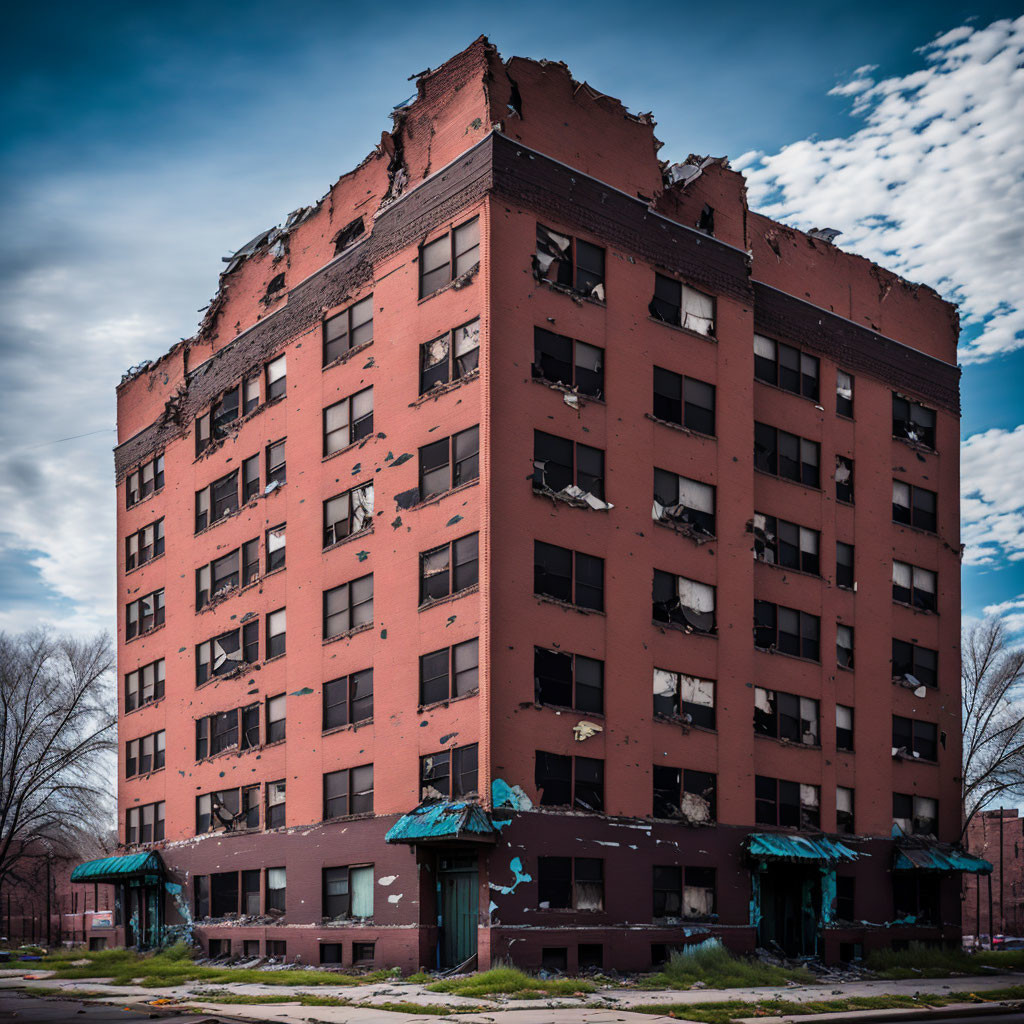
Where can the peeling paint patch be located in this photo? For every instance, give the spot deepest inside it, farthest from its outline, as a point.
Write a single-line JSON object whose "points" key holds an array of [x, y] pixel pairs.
{"points": [[404, 457], [520, 876], [304, 692], [395, 897], [386, 879], [454, 520], [504, 795], [362, 555]]}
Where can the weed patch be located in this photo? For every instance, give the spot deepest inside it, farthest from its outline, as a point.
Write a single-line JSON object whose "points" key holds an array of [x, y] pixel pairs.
{"points": [[920, 961], [514, 982], [716, 967]]}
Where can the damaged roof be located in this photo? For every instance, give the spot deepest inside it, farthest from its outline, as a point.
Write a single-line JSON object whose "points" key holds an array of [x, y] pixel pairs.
{"points": [[438, 821], [925, 855], [778, 846]]}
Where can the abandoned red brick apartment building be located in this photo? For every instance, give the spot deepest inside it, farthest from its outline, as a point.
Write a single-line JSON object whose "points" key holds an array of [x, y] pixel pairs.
{"points": [[539, 554]]}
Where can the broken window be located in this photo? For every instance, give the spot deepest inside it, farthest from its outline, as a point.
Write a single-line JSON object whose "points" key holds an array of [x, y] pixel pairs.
{"points": [[222, 574], [144, 615], [276, 804], [569, 781], [569, 363], [570, 883], [912, 422], [844, 646], [789, 804], [144, 685], [684, 892], [683, 602], [682, 306], [276, 467], [144, 546], [680, 501], [144, 481], [786, 716], [783, 454], [914, 586], [250, 478], [450, 672], [844, 394], [914, 506], [844, 565], [911, 738], [779, 542], [348, 421], [145, 755], [448, 570], [227, 652], [449, 463], [451, 357], [844, 727], [349, 329], [346, 514], [276, 628], [844, 479], [681, 696], [228, 809], [568, 680], [685, 401], [348, 700], [277, 380], [786, 630], [785, 367], [686, 794], [916, 898], [277, 882], [202, 896], [569, 262], [917, 666], [250, 394], [224, 894], [349, 791], [561, 466], [238, 728], [347, 236], [251, 899], [568, 576], [218, 500], [844, 813], [915, 815], [347, 893], [332, 952], [449, 257], [449, 774], [348, 606]]}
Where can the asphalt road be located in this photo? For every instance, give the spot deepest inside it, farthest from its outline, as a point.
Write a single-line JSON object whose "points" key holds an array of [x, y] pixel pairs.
{"points": [[16, 1006]]}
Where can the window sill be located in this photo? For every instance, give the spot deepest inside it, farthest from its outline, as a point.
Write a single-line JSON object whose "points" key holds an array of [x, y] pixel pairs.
{"points": [[844, 750], [148, 704], [903, 526], [680, 428], [435, 498], [445, 389], [142, 501], [910, 759], [582, 398], [845, 668], [427, 605], [913, 608], [465, 278], [916, 446], [687, 630], [366, 531], [565, 709], [276, 657], [142, 565], [685, 530], [349, 727], [791, 744], [233, 674], [844, 502], [227, 595], [348, 634], [438, 704], [816, 402], [346, 356], [360, 816], [710, 823], [852, 589], [250, 504], [575, 294], [145, 776], [562, 911], [787, 568], [786, 480], [710, 338], [558, 497], [351, 447], [678, 720], [568, 605], [149, 632], [782, 654]]}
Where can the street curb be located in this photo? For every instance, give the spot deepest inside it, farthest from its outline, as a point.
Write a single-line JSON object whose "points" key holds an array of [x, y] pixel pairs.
{"points": [[924, 1013]]}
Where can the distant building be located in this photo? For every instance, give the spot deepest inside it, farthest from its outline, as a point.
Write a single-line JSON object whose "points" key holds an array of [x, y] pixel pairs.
{"points": [[986, 832], [539, 554]]}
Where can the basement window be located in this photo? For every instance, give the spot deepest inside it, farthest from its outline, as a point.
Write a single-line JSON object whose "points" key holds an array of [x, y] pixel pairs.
{"points": [[844, 727], [913, 665], [684, 697], [277, 882], [144, 615], [449, 570], [347, 893], [915, 815], [844, 394], [451, 357], [349, 791], [844, 479], [348, 421], [844, 646], [449, 463], [844, 816], [786, 716], [227, 652], [786, 455], [912, 422], [567, 680], [682, 502], [685, 794], [684, 892], [144, 685], [250, 478], [682, 306], [914, 506], [844, 566], [911, 738], [570, 263], [277, 380], [912, 585], [276, 720], [348, 700], [685, 401], [348, 514], [568, 576], [363, 953], [788, 804], [144, 481], [449, 774], [450, 672], [348, 329], [565, 781], [786, 630], [568, 468], [683, 602], [778, 542], [570, 883], [276, 804], [348, 606], [568, 363], [449, 257], [785, 367], [144, 545]]}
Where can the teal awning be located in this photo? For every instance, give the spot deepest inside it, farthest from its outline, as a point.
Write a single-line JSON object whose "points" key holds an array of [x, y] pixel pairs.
{"points": [[137, 867], [780, 846], [932, 856], [443, 821]]}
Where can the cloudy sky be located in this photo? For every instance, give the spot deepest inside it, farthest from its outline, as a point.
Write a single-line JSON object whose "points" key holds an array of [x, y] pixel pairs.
{"points": [[141, 143]]}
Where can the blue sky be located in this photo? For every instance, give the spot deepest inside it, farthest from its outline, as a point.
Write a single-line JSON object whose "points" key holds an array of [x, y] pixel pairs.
{"points": [[143, 143]]}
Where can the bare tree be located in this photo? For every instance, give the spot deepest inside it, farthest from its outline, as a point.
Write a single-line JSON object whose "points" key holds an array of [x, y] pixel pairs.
{"points": [[993, 718], [57, 728]]}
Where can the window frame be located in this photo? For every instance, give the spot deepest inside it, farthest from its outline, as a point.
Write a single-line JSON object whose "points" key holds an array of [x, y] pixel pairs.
{"points": [[668, 305], [353, 700], [800, 386], [345, 776], [454, 371], [451, 674], [349, 334], [456, 471], [364, 514], [675, 707], [547, 359], [772, 462], [803, 635], [577, 788], [575, 583], [135, 545], [456, 263], [349, 607], [587, 698], [460, 573], [148, 479], [782, 531], [930, 517], [136, 618], [248, 642], [691, 518], [131, 703], [458, 766], [693, 416]]}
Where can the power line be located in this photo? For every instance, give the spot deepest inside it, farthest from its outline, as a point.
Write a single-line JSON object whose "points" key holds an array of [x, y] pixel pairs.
{"points": [[73, 437]]}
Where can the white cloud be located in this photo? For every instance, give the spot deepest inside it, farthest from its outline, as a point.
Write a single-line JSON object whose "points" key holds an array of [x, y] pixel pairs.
{"points": [[932, 184], [991, 498]]}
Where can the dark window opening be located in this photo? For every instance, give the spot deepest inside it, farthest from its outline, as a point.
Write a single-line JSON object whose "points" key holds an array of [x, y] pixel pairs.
{"points": [[786, 630], [568, 680], [144, 545], [144, 481], [685, 401], [570, 883], [569, 262], [684, 794], [914, 506], [683, 602], [569, 363], [449, 774], [914, 739], [844, 394], [450, 672], [786, 455], [561, 465], [684, 697], [348, 421], [348, 700], [914, 586], [449, 570], [790, 545], [786, 716], [569, 576], [786, 367], [569, 781], [676, 303], [451, 357], [844, 727], [227, 653], [681, 501], [789, 804], [844, 565], [349, 791], [917, 666], [144, 615], [913, 422], [844, 479]]}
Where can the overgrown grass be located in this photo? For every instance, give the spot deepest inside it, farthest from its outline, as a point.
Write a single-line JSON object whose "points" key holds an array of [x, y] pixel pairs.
{"points": [[921, 961], [514, 982], [712, 964], [308, 999], [419, 978]]}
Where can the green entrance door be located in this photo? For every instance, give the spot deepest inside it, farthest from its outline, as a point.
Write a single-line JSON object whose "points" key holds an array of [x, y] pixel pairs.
{"points": [[459, 896], [790, 909]]}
